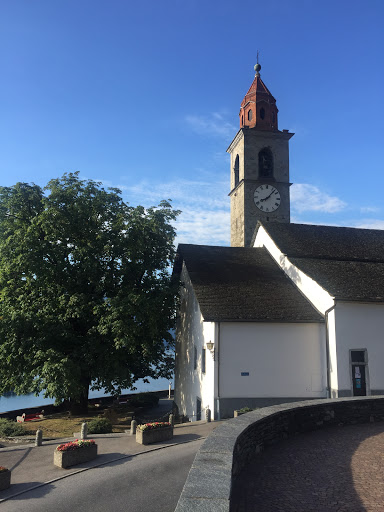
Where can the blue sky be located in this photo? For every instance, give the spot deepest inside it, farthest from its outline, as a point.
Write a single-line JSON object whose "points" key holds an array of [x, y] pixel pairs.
{"points": [[145, 97]]}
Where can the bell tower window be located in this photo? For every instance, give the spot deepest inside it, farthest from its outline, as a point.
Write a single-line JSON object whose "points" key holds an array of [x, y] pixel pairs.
{"points": [[262, 113], [249, 115], [236, 171], [265, 163]]}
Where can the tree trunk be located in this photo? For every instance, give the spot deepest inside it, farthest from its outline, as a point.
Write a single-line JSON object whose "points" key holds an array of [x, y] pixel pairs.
{"points": [[79, 404]]}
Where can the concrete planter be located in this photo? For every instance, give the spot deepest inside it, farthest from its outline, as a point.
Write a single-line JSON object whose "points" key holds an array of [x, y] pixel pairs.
{"points": [[154, 436], [5, 480], [73, 457]]}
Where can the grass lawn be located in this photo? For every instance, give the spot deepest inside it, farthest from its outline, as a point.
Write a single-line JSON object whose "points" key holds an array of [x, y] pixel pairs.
{"points": [[63, 425]]}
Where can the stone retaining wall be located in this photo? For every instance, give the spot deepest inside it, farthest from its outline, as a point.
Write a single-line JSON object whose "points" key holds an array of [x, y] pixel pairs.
{"points": [[234, 444]]}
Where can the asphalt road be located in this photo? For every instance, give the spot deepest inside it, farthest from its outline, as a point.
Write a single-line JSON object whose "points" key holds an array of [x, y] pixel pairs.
{"points": [[150, 481]]}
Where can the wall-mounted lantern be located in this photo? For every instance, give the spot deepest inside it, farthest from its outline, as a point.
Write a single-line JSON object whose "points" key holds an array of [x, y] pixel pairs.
{"points": [[211, 347]]}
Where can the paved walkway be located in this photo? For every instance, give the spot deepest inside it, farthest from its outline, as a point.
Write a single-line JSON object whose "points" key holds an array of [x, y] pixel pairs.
{"points": [[33, 466], [339, 469]]}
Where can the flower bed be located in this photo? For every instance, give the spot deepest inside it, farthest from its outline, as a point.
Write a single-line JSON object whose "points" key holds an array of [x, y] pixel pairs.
{"points": [[154, 432], [5, 478], [75, 452]]}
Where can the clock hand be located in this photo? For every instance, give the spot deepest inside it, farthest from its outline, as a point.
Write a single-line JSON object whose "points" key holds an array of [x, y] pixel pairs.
{"points": [[265, 198]]}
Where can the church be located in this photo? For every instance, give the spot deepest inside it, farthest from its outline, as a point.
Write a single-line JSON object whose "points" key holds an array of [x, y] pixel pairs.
{"points": [[290, 311]]}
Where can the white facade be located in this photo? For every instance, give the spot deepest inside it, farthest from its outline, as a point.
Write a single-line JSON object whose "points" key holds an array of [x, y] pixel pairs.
{"points": [[253, 363], [264, 360], [350, 326], [360, 326], [192, 383]]}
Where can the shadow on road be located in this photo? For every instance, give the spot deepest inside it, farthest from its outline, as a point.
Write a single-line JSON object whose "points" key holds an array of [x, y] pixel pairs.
{"points": [[40, 492], [23, 457]]}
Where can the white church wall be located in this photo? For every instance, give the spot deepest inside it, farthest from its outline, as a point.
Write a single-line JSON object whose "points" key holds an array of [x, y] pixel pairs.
{"points": [[333, 373], [319, 297], [208, 378], [192, 334], [360, 326], [271, 363]]}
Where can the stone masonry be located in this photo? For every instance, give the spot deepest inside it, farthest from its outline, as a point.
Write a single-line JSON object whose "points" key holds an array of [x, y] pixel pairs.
{"points": [[234, 445]]}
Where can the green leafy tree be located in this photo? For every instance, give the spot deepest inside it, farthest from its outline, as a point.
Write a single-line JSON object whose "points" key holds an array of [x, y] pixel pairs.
{"points": [[86, 298]]}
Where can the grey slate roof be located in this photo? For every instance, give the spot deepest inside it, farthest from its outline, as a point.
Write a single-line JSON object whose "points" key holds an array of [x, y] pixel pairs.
{"points": [[312, 241], [357, 281], [242, 284], [347, 262]]}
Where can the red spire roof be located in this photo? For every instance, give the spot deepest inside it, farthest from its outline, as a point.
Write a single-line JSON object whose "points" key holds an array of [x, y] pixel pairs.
{"points": [[258, 108], [258, 86]]}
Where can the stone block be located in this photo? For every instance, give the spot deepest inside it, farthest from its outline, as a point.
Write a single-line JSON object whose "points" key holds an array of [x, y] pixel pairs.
{"points": [[154, 436], [5, 480], [73, 457]]}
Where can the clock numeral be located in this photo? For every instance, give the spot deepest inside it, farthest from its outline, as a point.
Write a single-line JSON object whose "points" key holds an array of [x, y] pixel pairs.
{"points": [[261, 207], [267, 209], [276, 204], [266, 186]]}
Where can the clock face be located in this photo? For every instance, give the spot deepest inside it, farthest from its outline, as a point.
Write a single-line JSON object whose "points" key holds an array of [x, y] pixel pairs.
{"points": [[267, 198]]}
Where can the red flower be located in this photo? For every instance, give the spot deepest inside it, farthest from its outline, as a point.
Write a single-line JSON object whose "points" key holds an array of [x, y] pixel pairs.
{"points": [[75, 445]]}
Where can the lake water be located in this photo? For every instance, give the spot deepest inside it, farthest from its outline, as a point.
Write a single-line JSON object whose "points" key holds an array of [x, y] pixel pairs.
{"points": [[12, 402]]}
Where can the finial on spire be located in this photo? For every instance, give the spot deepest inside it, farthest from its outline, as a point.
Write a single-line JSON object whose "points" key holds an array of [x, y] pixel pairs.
{"points": [[257, 65]]}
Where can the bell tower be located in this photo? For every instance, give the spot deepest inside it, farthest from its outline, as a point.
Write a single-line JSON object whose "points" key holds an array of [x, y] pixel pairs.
{"points": [[259, 165]]}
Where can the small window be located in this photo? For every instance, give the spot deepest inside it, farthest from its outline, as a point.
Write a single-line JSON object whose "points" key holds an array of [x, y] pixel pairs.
{"points": [[358, 356], [198, 409], [242, 120], [249, 115], [203, 352], [236, 170], [194, 357], [265, 163], [262, 113]]}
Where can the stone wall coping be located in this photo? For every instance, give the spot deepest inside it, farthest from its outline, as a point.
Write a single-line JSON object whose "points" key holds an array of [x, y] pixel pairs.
{"points": [[208, 485]]}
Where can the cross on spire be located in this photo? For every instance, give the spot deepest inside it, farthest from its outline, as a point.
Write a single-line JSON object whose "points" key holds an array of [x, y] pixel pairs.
{"points": [[257, 65]]}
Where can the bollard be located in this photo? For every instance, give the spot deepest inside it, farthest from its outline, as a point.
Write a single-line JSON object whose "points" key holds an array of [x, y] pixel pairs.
{"points": [[169, 390], [84, 431], [39, 438], [172, 419], [208, 415], [133, 427]]}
